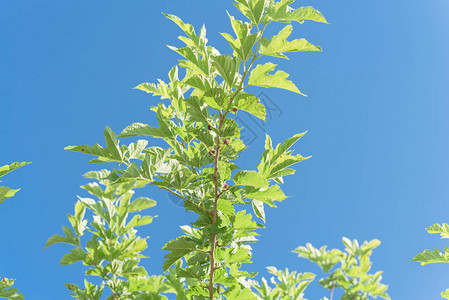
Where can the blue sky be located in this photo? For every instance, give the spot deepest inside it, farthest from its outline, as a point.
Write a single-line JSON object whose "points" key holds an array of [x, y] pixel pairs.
{"points": [[376, 114]]}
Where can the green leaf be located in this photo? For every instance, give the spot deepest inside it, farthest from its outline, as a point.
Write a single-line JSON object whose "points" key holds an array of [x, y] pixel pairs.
{"points": [[135, 149], [139, 129], [112, 152], [279, 44], [252, 9], [197, 41], [7, 291], [187, 28], [288, 285], [198, 292], [250, 178], [225, 207], [198, 65], [229, 129], [224, 170], [239, 293], [74, 256], [442, 229], [178, 249], [274, 162], [445, 294], [430, 257], [251, 104], [6, 192], [243, 221], [244, 42], [260, 77], [231, 256], [352, 274], [140, 204], [89, 292], [9, 168], [161, 89], [307, 13], [77, 220], [198, 258], [282, 12], [56, 238], [258, 209], [198, 272], [227, 67], [197, 109], [283, 148], [274, 193], [138, 220]]}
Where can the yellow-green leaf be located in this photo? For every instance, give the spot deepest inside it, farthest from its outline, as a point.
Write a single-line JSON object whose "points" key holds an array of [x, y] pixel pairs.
{"points": [[279, 44], [260, 77]]}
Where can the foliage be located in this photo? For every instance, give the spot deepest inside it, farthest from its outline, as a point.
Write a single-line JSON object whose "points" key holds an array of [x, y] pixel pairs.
{"points": [[352, 275], [205, 90], [6, 192], [6, 289], [113, 249], [436, 256], [288, 285]]}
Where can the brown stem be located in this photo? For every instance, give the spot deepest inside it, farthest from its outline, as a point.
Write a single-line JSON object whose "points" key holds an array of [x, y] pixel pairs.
{"points": [[217, 155], [214, 212]]}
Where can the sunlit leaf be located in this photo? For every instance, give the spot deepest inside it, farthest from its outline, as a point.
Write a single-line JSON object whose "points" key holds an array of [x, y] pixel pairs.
{"points": [[9, 168], [112, 152], [178, 248], [279, 44], [260, 77], [250, 178]]}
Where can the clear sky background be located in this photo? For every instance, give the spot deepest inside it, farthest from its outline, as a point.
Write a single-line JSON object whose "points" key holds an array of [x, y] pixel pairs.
{"points": [[377, 115]]}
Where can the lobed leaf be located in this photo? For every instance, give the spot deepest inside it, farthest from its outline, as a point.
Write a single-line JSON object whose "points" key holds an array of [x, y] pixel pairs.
{"points": [[282, 12], [260, 77], [112, 152], [250, 178], [244, 41], [442, 229], [278, 44], [252, 9], [251, 104], [178, 249], [430, 257]]}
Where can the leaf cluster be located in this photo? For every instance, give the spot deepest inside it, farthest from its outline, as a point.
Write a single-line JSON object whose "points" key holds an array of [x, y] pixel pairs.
{"points": [[436, 256], [6, 289], [6, 192], [287, 285], [205, 90], [111, 250], [347, 270]]}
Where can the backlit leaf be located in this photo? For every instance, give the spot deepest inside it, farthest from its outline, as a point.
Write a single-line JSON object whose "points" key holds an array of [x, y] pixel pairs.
{"points": [[112, 152], [250, 178], [260, 77], [279, 44]]}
